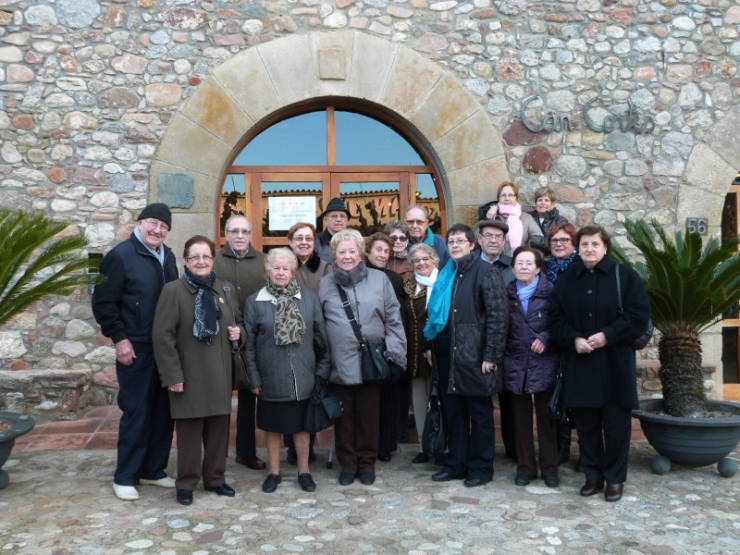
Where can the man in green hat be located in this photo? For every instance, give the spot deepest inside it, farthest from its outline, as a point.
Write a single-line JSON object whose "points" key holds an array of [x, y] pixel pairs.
{"points": [[336, 217]]}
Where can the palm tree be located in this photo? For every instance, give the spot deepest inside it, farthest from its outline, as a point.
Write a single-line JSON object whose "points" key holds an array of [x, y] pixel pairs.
{"points": [[690, 286], [34, 262]]}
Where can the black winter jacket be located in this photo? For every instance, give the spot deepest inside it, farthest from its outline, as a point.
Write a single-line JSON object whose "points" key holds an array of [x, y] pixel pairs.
{"points": [[477, 327], [584, 302], [524, 371], [125, 302]]}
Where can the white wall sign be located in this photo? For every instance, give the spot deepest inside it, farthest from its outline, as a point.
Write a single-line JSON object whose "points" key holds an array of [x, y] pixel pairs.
{"points": [[286, 211]]}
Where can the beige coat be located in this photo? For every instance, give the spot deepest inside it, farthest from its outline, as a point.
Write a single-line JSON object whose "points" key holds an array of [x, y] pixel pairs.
{"points": [[205, 370]]}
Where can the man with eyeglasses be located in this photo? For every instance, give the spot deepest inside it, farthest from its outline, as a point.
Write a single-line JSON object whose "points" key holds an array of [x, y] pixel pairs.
{"points": [[492, 240], [336, 218], [136, 271], [241, 265], [417, 218]]}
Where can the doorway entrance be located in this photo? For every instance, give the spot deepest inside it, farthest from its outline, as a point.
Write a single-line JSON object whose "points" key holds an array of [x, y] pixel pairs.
{"points": [[291, 169], [731, 319]]}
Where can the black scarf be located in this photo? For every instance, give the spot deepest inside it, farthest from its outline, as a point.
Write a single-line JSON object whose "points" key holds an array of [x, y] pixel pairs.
{"points": [[207, 312]]}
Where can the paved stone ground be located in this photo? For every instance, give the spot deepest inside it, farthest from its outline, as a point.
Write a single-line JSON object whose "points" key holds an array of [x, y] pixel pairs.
{"points": [[61, 503]]}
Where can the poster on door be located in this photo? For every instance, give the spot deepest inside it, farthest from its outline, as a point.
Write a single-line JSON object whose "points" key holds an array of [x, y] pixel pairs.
{"points": [[286, 211]]}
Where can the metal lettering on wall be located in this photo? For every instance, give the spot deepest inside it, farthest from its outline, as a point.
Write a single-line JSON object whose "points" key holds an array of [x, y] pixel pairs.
{"points": [[632, 120]]}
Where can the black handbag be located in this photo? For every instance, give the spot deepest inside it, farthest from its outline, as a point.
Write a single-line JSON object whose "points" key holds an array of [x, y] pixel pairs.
{"points": [[642, 341], [375, 368], [555, 408], [324, 407], [433, 435], [239, 370]]}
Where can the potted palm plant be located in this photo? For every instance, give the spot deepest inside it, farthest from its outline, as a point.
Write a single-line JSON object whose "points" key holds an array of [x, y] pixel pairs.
{"points": [[690, 285], [36, 260]]}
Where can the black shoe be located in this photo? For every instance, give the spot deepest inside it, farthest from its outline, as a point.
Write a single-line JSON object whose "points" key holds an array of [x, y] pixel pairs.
{"points": [[311, 456], [255, 463], [474, 482], [578, 467], [306, 482], [551, 481], [345, 478], [292, 457], [421, 458], [271, 483], [403, 438], [444, 476], [367, 478], [185, 496], [523, 480], [384, 457], [224, 490], [441, 460]]}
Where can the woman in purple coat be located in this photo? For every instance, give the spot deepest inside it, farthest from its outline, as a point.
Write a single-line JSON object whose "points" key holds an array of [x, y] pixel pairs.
{"points": [[530, 367]]}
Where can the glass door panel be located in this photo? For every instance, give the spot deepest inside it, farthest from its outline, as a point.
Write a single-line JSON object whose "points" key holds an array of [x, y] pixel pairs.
{"points": [[731, 319], [425, 194], [284, 200], [373, 199]]}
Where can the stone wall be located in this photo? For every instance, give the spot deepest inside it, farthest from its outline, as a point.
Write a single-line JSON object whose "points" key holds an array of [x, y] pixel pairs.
{"points": [[97, 98]]}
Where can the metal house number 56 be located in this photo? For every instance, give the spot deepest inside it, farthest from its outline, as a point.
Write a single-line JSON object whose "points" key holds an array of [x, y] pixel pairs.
{"points": [[697, 225]]}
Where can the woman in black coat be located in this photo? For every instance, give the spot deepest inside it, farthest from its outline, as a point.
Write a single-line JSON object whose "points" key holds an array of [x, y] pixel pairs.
{"points": [[599, 364], [530, 367]]}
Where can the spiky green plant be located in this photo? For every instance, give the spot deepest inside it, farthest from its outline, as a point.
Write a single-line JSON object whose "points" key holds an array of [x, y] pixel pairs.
{"points": [[34, 262], [690, 285]]}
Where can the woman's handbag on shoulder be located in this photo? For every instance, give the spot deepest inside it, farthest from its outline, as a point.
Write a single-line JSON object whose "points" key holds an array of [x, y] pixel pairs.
{"points": [[324, 407], [375, 367], [433, 435], [239, 371], [642, 341], [555, 408]]}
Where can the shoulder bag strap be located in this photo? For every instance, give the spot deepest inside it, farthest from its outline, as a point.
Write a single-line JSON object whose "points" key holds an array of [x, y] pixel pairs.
{"points": [[350, 316], [619, 291], [227, 293]]}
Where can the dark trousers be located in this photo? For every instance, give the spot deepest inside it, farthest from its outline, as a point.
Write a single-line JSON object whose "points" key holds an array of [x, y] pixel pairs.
{"points": [[404, 403], [507, 422], [202, 445], [546, 435], [245, 441], [145, 429], [470, 431], [356, 432], [604, 438]]}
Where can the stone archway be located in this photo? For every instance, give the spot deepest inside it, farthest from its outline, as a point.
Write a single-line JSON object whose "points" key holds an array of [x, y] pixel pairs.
{"points": [[256, 83], [711, 168]]}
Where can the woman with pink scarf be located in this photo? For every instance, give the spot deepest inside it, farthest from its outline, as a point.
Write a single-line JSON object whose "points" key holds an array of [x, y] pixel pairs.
{"points": [[523, 229]]}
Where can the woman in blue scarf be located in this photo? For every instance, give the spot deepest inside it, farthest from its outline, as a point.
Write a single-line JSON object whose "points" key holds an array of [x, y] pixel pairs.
{"points": [[530, 366]]}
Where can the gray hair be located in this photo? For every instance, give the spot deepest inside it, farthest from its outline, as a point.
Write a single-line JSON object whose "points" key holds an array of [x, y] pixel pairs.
{"points": [[284, 253], [427, 249], [399, 225], [346, 235], [237, 216], [422, 208]]}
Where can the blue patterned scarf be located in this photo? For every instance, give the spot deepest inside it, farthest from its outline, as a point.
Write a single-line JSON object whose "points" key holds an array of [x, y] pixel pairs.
{"points": [[207, 311], [438, 309], [556, 267]]}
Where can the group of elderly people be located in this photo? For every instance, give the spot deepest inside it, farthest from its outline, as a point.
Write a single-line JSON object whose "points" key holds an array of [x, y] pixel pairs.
{"points": [[498, 312]]}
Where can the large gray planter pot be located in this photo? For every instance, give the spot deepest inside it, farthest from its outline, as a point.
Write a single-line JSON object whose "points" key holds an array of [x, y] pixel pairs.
{"points": [[12, 426], [691, 442]]}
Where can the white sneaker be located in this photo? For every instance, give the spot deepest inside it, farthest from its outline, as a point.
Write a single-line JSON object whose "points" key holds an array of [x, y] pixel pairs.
{"points": [[165, 482], [127, 493]]}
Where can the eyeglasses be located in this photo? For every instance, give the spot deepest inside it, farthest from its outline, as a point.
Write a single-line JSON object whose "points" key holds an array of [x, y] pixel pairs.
{"points": [[556, 240], [496, 236], [524, 264], [424, 259], [303, 238], [507, 195], [454, 242], [156, 224], [199, 258], [239, 231], [337, 216], [398, 238], [416, 222]]}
